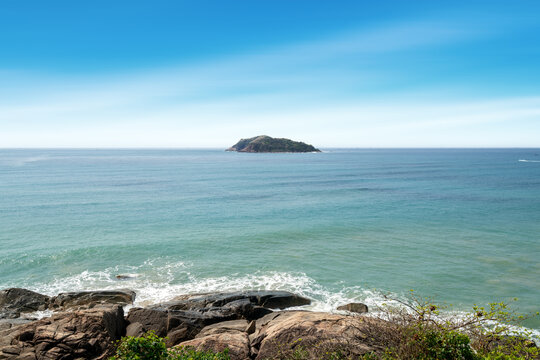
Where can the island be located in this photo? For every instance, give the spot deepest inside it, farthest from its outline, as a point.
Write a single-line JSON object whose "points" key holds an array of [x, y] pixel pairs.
{"points": [[267, 144]]}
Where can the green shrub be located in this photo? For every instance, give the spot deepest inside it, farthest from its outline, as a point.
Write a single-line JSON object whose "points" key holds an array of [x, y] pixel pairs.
{"points": [[152, 347], [420, 331], [187, 353], [440, 344], [146, 347]]}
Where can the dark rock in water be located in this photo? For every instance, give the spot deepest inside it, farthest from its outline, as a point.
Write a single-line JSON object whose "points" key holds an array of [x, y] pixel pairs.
{"points": [[267, 144], [89, 299], [149, 320], [263, 298], [354, 307], [88, 334], [246, 309], [125, 277], [16, 300]]}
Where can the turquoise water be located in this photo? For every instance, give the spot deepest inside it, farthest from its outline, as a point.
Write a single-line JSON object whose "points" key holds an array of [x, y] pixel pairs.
{"points": [[462, 225]]}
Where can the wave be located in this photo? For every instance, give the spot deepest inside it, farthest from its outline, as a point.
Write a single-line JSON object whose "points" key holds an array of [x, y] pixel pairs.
{"points": [[529, 161], [18, 162], [155, 282]]}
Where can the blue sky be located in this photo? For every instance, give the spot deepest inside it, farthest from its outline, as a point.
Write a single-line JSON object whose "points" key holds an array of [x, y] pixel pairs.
{"points": [[331, 73]]}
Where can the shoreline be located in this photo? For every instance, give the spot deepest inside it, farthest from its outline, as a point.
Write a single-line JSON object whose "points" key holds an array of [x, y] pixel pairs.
{"points": [[246, 322]]}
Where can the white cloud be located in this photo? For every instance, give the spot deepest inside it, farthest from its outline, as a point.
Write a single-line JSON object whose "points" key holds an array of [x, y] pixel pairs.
{"points": [[294, 91]]}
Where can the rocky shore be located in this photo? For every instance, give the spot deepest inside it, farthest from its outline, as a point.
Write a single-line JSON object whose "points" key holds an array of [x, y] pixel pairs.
{"points": [[251, 324]]}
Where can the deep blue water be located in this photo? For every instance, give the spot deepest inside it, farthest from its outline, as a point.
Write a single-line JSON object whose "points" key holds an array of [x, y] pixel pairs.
{"points": [[462, 226]]}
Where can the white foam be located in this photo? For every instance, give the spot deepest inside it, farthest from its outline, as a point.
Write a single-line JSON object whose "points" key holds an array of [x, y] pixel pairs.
{"points": [[157, 281], [38, 314], [529, 161], [18, 161]]}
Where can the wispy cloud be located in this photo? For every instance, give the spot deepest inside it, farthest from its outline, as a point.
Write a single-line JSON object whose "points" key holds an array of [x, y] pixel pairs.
{"points": [[318, 89]]}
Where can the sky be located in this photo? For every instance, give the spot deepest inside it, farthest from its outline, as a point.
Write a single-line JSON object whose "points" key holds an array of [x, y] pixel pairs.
{"points": [[192, 74]]}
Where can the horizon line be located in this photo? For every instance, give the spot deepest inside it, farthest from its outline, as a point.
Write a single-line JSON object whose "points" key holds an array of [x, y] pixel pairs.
{"points": [[224, 149]]}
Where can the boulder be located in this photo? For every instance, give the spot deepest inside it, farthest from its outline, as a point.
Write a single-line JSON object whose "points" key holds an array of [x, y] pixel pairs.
{"points": [[225, 326], [354, 307], [88, 299], [148, 319], [87, 334], [186, 316], [226, 335], [191, 322], [14, 301], [310, 334], [135, 329], [264, 298]]}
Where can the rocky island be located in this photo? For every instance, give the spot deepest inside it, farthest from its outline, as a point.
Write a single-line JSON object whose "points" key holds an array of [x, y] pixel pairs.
{"points": [[267, 144]]}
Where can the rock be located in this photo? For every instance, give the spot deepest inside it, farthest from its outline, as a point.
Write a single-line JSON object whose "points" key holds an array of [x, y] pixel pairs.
{"points": [[354, 307], [225, 326], [177, 336], [16, 300], [135, 329], [237, 343], [187, 315], [149, 319], [263, 298], [88, 299], [250, 329], [268, 144], [11, 323], [195, 320], [246, 309], [87, 334], [313, 333], [125, 276], [9, 314]]}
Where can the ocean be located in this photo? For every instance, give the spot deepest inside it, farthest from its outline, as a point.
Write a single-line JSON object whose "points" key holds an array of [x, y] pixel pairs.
{"points": [[459, 225]]}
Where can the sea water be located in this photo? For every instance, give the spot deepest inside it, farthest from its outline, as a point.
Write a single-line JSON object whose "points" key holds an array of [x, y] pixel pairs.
{"points": [[459, 225]]}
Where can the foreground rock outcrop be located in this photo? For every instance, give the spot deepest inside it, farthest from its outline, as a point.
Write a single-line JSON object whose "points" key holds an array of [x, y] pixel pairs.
{"points": [[267, 144], [232, 335], [185, 316], [87, 334], [88, 299], [278, 335], [251, 324], [15, 301]]}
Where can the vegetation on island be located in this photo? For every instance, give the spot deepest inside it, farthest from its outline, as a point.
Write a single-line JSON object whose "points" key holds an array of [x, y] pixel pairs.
{"points": [[415, 329], [267, 144]]}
